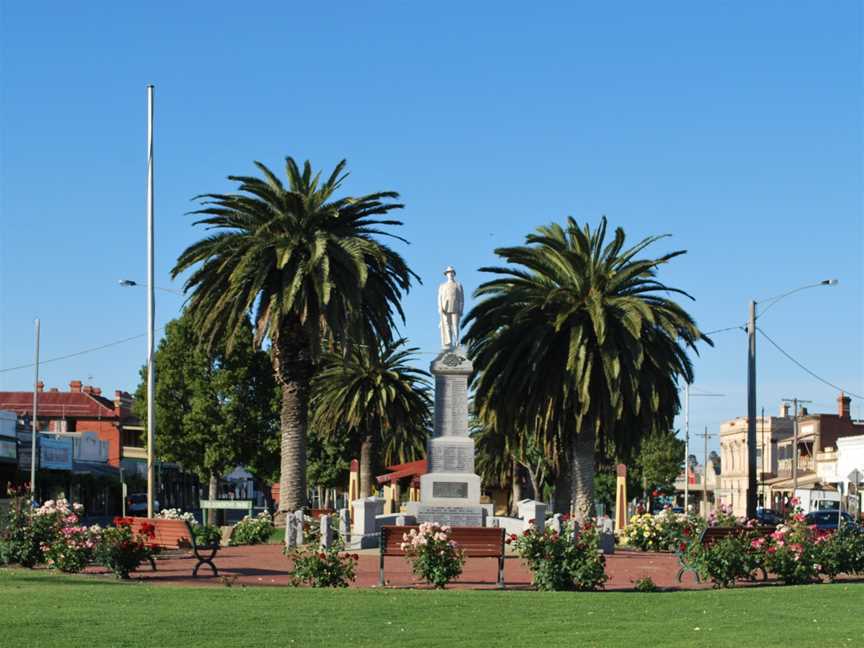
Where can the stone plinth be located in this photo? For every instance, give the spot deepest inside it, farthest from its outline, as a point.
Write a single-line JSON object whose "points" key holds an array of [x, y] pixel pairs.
{"points": [[450, 491]]}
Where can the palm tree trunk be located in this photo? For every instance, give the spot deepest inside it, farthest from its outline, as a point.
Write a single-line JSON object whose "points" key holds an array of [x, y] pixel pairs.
{"points": [[292, 362], [563, 488], [582, 464], [515, 489], [366, 450], [213, 493]]}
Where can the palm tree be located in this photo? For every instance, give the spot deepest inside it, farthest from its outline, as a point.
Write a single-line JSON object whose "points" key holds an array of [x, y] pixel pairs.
{"points": [[309, 267], [379, 398], [577, 341]]}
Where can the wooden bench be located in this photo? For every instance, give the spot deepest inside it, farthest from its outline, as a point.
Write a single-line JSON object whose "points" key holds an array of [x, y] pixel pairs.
{"points": [[714, 534], [475, 542], [177, 536]]}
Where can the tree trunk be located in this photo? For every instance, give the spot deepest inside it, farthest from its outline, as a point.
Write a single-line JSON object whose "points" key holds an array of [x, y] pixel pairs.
{"points": [[535, 484], [563, 489], [582, 466], [366, 450], [292, 362], [213, 493], [515, 490]]}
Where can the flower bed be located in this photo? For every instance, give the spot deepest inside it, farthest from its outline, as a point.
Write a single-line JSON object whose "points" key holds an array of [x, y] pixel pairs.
{"points": [[662, 532], [252, 530]]}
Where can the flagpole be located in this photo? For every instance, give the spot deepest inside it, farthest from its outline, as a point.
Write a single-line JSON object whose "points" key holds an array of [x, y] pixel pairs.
{"points": [[35, 428], [151, 419]]}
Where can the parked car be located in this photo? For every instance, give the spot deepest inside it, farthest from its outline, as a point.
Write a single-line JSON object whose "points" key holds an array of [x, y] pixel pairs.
{"points": [[136, 504], [827, 520], [768, 517]]}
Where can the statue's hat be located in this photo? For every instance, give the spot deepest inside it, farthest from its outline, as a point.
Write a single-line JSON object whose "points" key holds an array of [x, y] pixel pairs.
{"points": [[449, 269]]}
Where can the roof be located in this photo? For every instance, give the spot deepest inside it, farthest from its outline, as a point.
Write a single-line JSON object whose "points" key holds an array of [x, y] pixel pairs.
{"points": [[810, 481], [66, 404], [398, 471]]}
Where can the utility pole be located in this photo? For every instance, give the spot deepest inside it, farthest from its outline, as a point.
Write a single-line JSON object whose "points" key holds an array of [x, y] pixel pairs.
{"points": [[795, 402], [751, 412], [686, 445]]}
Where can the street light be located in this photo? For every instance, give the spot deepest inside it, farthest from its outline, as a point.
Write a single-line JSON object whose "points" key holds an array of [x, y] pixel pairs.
{"points": [[751, 388]]}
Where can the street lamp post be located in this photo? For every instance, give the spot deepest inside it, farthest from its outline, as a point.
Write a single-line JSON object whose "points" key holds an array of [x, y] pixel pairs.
{"points": [[752, 495], [151, 411]]}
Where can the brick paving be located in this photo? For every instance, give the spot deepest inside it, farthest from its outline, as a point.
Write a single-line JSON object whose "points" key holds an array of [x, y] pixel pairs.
{"points": [[265, 565]]}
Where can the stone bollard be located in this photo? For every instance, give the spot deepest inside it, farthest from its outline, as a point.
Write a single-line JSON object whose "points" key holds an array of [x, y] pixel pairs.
{"points": [[533, 514], [298, 521], [326, 532], [345, 525], [290, 531]]}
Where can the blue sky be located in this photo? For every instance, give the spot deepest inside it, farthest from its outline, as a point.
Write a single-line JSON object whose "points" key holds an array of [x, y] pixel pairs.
{"points": [[736, 128]]}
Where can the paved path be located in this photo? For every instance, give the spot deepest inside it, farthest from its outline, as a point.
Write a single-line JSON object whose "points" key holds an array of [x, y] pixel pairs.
{"points": [[265, 565]]}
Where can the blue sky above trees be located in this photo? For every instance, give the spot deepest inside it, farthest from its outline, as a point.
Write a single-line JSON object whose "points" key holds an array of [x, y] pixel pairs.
{"points": [[736, 128]]}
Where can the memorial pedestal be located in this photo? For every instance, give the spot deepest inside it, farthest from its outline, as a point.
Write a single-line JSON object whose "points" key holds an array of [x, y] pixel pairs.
{"points": [[450, 491]]}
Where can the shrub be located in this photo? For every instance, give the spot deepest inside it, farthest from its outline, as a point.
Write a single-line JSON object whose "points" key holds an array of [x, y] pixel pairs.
{"points": [[571, 560], [177, 514], [841, 552], [726, 560], [322, 567], [661, 532], [645, 584], [434, 557], [723, 516], [121, 550], [207, 535], [28, 531], [73, 549], [252, 530], [791, 551]]}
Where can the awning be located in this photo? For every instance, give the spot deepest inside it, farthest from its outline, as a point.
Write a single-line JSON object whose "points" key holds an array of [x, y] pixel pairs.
{"points": [[400, 471], [95, 469], [810, 481]]}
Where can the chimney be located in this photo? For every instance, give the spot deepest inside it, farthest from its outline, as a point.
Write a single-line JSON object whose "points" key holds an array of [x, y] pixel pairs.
{"points": [[87, 389], [844, 404], [97, 391], [75, 386], [784, 410], [40, 386], [54, 390], [803, 411]]}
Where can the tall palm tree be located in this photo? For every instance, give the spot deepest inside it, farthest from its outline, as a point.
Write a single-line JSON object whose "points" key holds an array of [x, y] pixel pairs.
{"points": [[309, 267], [578, 341], [382, 401]]}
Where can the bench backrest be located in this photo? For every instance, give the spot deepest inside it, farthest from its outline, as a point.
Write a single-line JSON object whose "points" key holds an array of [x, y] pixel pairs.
{"points": [[475, 542], [170, 534], [712, 534]]}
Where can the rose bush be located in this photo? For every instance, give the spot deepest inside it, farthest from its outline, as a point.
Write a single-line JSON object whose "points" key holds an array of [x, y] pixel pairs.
{"points": [[434, 557], [329, 567], [661, 532], [73, 548], [121, 550], [252, 530], [571, 560]]}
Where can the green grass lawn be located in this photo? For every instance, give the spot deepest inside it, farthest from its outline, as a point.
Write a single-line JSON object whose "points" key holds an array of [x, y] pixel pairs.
{"points": [[44, 609]]}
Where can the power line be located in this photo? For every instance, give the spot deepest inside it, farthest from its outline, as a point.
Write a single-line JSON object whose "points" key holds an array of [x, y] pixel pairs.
{"points": [[819, 378], [740, 327]]}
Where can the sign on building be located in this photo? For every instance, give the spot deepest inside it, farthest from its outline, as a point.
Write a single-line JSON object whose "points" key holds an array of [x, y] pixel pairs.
{"points": [[90, 448], [55, 454]]}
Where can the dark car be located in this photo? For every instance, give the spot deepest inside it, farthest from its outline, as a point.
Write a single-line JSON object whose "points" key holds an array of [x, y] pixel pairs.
{"points": [[768, 517], [136, 504], [827, 520]]}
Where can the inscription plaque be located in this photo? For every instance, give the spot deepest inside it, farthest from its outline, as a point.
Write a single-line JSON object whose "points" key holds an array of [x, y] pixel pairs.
{"points": [[450, 489], [452, 515]]}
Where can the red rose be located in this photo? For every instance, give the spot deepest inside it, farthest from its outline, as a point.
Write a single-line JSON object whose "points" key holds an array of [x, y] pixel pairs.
{"points": [[682, 547], [508, 541], [355, 557]]}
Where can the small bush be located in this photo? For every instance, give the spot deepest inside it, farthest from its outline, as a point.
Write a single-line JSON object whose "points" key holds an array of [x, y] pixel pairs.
{"points": [[121, 550], [645, 584], [252, 530], [571, 560], [207, 535], [434, 557], [73, 549], [322, 567]]}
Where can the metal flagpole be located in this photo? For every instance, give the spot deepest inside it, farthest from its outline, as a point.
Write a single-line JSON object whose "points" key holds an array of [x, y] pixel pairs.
{"points": [[151, 419], [686, 445], [35, 423]]}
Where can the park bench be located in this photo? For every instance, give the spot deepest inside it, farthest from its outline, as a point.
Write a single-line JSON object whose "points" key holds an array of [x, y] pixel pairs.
{"points": [[475, 542], [714, 534], [176, 536]]}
